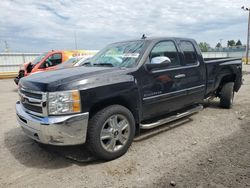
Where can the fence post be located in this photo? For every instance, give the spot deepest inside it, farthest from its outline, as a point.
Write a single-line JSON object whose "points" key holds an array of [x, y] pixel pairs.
{"points": [[23, 58]]}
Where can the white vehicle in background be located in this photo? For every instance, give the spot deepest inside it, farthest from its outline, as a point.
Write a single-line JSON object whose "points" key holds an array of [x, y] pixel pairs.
{"points": [[73, 62]]}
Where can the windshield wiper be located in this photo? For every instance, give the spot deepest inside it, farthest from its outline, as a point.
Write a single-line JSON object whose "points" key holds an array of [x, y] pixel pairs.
{"points": [[86, 63], [103, 64]]}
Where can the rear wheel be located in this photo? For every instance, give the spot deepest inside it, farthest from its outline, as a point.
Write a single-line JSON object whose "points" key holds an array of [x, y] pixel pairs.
{"points": [[227, 95], [111, 132]]}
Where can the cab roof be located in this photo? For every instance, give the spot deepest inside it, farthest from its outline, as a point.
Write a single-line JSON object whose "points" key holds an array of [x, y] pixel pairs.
{"points": [[154, 39]]}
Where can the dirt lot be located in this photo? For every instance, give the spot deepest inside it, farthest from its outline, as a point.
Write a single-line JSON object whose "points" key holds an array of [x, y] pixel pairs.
{"points": [[209, 149]]}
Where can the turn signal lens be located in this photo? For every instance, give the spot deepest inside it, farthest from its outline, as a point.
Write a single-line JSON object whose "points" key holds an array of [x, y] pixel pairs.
{"points": [[76, 96], [76, 101]]}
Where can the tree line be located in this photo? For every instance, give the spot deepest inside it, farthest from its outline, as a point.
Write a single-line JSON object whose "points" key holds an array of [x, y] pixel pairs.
{"points": [[204, 46]]}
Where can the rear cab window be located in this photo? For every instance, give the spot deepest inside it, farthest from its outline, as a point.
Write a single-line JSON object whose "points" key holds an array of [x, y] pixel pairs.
{"points": [[189, 52]]}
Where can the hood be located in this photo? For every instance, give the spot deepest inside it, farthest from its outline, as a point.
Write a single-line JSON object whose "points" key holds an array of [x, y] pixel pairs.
{"points": [[73, 78]]}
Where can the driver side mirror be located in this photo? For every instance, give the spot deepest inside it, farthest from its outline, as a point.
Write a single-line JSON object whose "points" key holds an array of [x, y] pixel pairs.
{"points": [[158, 63]]}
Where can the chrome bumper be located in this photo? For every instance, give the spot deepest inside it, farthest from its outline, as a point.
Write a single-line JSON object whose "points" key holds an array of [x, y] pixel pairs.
{"points": [[54, 130]]}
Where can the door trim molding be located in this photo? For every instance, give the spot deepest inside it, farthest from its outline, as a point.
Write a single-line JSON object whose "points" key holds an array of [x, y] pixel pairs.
{"points": [[177, 68], [179, 91]]}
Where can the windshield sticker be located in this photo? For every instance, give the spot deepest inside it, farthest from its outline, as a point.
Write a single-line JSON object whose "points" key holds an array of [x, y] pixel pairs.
{"points": [[131, 55]]}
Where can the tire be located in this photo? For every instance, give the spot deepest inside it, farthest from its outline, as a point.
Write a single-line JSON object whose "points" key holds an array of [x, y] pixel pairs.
{"points": [[227, 95], [111, 132]]}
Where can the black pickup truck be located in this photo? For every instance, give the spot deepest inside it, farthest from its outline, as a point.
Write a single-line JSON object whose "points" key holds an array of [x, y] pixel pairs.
{"points": [[126, 87]]}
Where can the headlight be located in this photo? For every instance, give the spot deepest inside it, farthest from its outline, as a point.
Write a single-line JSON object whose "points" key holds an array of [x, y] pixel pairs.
{"points": [[65, 102]]}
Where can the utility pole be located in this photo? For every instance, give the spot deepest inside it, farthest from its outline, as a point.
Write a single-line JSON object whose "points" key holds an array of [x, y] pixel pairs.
{"points": [[75, 40], [221, 42], [6, 46], [248, 32]]}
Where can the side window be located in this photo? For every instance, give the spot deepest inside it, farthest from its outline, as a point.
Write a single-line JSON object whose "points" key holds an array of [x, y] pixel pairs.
{"points": [[166, 49], [53, 60], [189, 53]]}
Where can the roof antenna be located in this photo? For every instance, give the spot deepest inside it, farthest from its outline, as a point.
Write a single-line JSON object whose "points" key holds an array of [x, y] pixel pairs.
{"points": [[143, 36]]}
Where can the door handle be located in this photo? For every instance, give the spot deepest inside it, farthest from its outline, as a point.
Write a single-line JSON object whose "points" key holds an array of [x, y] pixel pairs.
{"points": [[180, 76]]}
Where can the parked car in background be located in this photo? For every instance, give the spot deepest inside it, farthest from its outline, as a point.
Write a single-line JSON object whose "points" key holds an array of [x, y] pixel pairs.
{"points": [[126, 87], [48, 61]]}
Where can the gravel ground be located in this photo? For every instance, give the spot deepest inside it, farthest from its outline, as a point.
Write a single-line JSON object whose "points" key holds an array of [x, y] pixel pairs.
{"points": [[208, 149]]}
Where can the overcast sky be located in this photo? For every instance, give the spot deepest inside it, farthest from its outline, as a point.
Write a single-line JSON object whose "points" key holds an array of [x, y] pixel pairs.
{"points": [[44, 25]]}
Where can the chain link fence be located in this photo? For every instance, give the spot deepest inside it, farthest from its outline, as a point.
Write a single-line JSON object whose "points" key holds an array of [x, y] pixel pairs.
{"points": [[10, 62]]}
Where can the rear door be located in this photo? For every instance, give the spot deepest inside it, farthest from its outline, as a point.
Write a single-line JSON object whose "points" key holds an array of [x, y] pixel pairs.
{"points": [[194, 70]]}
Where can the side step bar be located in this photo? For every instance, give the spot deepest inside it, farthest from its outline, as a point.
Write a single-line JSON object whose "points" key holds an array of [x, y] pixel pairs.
{"points": [[172, 118]]}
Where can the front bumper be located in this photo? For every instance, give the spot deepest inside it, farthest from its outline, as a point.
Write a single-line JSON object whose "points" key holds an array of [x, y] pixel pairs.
{"points": [[19, 76], [54, 130]]}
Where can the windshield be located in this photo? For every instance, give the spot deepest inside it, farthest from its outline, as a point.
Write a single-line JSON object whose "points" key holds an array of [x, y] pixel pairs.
{"points": [[124, 54], [38, 59]]}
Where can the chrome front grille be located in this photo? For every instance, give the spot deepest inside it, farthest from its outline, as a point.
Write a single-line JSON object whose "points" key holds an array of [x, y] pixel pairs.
{"points": [[34, 102]]}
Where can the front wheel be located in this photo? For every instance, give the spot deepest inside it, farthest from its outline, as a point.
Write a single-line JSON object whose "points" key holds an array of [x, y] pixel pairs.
{"points": [[227, 95], [111, 132]]}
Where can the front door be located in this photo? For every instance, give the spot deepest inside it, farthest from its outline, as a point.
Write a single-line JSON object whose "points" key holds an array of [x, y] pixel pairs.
{"points": [[51, 61], [162, 89]]}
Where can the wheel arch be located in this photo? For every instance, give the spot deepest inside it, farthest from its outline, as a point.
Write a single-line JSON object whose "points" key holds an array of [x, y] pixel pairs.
{"points": [[131, 105], [225, 79]]}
